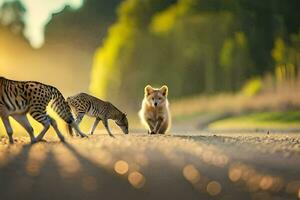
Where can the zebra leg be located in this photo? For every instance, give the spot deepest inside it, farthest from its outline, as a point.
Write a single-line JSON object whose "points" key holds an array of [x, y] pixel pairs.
{"points": [[95, 125], [43, 132], [8, 129], [78, 131], [79, 118], [54, 125], [105, 123], [40, 115], [23, 121]]}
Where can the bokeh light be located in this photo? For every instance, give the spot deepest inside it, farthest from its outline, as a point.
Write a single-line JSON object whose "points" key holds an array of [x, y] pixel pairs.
{"points": [[121, 167], [214, 188], [136, 179], [191, 173], [266, 182], [254, 179], [235, 174]]}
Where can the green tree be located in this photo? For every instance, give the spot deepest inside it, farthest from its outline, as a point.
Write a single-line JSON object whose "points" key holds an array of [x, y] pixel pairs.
{"points": [[192, 46]]}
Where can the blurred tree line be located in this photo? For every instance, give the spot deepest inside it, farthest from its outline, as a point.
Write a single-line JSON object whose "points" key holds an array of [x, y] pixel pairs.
{"points": [[194, 46], [71, 38]]}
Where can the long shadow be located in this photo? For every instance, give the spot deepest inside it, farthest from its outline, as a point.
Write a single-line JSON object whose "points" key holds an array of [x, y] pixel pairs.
{"points": [[13, 176], [163, 181], [15, 183], [56, 186], [105, 184]]}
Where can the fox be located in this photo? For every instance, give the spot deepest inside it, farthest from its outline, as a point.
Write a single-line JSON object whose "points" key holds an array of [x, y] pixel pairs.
{"points": [[155, 113]]}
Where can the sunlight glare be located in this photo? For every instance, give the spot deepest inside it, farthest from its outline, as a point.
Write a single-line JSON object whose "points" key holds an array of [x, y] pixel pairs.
{"points": [[39, 13]]}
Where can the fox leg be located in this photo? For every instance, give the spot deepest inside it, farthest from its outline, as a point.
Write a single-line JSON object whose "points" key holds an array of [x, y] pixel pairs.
{"points": [[105, 123], [8, 129], [158, 125], [95, 125], [163, 127], [23, 121], [151, 126]]}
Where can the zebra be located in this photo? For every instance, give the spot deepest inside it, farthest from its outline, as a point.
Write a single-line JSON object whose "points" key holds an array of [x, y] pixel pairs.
{"points": [[17, 98], [83, 103]]}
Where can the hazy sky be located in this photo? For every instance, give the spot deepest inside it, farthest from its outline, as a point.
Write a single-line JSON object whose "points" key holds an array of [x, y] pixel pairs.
{"points": [[38, 14]]}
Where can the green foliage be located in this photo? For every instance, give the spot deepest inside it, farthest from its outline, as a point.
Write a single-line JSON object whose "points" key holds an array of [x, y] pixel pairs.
{"points": [[227, 53], [193, 47], [164, 22], [252, 87], [287, 58], [113, 59], [105, 73]]}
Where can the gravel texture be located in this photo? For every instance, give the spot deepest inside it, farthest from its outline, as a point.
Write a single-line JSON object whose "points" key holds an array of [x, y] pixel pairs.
{"points": [[138, 166]]}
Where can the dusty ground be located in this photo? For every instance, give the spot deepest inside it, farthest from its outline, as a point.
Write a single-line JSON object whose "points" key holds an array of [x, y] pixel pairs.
{"points": [[198, 166]]}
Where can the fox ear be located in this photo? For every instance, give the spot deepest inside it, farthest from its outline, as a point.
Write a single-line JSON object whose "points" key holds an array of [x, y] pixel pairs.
{"points": [[148, 90], [164, 90]]}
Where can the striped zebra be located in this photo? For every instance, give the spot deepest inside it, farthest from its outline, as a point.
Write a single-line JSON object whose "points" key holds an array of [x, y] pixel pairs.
{"points": [[17, 98], [83, 103]]}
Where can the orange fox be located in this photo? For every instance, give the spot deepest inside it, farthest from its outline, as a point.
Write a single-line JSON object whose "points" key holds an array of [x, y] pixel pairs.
{"points": [[155, 114]]}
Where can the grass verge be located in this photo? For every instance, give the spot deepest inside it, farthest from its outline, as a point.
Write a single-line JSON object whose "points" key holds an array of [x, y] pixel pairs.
{"points": [[280, 120]]}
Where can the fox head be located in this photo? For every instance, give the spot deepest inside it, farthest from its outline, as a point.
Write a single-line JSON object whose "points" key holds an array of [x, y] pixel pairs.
{"points": [[156, 97]]}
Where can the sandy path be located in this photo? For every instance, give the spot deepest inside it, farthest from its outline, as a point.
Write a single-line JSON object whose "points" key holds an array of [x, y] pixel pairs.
{"points": [[200, 166]]}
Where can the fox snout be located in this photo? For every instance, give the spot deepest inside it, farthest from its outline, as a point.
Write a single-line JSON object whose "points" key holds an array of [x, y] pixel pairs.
{"points": [[155, 103]]}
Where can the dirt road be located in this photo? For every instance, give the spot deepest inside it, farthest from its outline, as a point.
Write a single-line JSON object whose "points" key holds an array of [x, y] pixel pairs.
{"points": [[198, 166]]}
